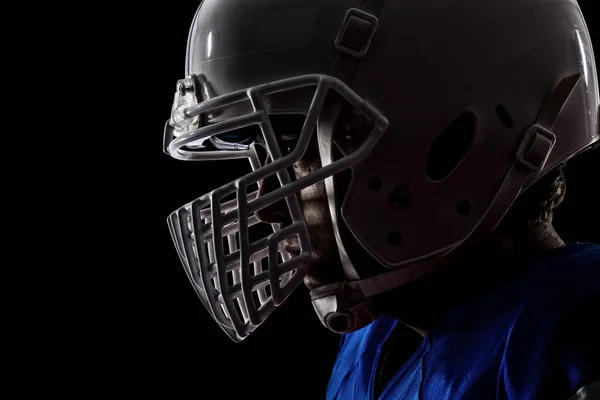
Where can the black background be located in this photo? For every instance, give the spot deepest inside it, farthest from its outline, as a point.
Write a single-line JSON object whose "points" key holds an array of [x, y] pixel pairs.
{"points": [[146, 334]]}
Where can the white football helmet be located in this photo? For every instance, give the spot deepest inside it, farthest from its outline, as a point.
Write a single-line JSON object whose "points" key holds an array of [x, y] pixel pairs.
{"points": [[382, 86]]}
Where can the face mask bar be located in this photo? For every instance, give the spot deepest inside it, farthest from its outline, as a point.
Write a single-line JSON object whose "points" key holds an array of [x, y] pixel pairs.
{"points": [[211, 234]]}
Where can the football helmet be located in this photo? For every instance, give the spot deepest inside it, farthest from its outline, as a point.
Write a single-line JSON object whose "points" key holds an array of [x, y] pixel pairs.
{"points": [[443, 112]]}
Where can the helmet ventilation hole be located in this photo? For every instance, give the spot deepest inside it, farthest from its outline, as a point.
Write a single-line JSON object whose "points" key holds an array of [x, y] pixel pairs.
{"points": [[451, 146], [463, 208], [394, 239], [374, 184], [504, 116]]}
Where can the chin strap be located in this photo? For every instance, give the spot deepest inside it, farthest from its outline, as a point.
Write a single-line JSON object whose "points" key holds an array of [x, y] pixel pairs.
{"points": [[346, 307]]}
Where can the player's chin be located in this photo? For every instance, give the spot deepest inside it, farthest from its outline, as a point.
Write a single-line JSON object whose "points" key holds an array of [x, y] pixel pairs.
{"points": [[323, 271], [312, 282]]}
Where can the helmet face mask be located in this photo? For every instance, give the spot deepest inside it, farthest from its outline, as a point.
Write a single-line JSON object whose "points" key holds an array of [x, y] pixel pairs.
{"points": [[529, 99], [240, 278]]}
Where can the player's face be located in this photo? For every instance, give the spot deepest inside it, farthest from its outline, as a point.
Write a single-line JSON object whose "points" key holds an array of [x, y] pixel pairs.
{"points": [[325, 262], [326, 266]]}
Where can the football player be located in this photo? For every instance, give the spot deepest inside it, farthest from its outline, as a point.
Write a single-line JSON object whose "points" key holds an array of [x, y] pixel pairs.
{"points": [[406, 158]]}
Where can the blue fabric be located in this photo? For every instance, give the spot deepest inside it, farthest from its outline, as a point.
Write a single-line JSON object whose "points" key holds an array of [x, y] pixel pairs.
{"points": [[536, 337]]}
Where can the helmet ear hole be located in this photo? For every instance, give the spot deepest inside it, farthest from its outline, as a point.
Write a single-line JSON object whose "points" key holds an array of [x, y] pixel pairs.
{"points": [[451, 146]]}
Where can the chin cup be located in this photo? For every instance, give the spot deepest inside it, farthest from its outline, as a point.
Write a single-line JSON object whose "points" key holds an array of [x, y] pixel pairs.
{"points": [[341, 308]]}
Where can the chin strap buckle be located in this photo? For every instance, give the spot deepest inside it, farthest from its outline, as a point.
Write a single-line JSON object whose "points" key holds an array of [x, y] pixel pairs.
{"points": [[341, 309], [356, 33], [535, 148]]}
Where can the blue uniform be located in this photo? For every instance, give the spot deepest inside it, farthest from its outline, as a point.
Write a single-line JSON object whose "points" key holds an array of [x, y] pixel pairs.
{"points": [[537, 337]]}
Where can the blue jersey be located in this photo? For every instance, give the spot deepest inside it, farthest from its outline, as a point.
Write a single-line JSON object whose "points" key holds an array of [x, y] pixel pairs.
{"points": [[536, 337]]}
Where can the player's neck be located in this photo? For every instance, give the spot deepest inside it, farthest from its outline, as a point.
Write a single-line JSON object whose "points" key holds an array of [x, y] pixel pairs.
{"points": [[498, 259], [531, 242]]}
